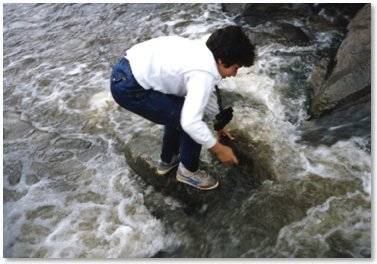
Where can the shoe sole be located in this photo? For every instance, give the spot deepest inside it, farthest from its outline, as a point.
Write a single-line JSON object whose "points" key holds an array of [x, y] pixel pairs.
{"points": [[198, 187], [163, 172]]}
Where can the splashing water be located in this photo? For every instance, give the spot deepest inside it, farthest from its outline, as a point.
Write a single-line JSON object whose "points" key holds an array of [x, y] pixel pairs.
{"points": [[68, 191]]}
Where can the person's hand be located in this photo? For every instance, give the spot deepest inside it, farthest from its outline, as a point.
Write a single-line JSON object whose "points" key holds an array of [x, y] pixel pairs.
{"points": [[224, 132], [224, 153]]}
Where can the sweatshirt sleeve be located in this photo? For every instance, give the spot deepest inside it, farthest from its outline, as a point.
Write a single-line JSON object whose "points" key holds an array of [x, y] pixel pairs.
{"points": [[212, 108], [199, 86]]}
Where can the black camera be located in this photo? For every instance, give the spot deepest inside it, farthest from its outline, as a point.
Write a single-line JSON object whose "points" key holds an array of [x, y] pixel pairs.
{"points": [[223, 118]]}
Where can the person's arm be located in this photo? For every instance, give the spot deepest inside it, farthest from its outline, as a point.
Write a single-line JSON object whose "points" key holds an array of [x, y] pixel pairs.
{"points": [[192, 122], [212, 108], [198, 85]]}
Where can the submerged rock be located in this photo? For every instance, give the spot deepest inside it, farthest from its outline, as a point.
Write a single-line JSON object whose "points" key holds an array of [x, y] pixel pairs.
{"points": [[143, 151]]}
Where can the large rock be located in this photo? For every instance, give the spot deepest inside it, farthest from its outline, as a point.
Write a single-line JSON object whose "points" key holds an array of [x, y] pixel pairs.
{"points": [[260, 13], [348, 78], [275, 17], [143, 150]]}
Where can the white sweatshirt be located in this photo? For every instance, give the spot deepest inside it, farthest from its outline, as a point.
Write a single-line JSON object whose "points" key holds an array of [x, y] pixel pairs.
{"points": [[182, 67]]}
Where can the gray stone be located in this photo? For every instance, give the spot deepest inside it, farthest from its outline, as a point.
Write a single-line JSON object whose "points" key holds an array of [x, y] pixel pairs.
{"points": [[13, 171], [318, 76]]}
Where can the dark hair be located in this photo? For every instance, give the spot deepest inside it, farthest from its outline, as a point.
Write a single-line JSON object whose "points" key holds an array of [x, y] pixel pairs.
{"points": [[232, 46]]}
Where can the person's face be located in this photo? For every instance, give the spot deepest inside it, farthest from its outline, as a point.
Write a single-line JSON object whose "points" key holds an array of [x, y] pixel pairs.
{"points": [[227, 71]]}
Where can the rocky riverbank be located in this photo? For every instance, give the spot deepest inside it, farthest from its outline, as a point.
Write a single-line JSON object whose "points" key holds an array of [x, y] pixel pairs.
{"points": [[343, 74]]}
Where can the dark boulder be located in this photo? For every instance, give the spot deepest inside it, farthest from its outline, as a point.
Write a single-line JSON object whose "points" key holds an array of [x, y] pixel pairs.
{"points": [[271, 21], [257, 14], [293, 23]]}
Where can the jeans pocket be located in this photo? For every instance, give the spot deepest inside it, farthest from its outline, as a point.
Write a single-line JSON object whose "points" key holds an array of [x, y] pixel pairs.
{"points": [[117, 76]]}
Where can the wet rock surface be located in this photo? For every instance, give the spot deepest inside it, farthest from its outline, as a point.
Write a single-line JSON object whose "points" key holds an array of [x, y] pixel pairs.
{"points": [[143, 151], [350, 77]]}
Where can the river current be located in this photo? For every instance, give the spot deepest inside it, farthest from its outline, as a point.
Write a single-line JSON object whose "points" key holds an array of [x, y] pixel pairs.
{"points": [[68, 191]]}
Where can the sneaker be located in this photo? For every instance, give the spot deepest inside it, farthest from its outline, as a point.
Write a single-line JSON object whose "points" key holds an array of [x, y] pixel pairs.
{"points": [[199, 179], [164, 167]]}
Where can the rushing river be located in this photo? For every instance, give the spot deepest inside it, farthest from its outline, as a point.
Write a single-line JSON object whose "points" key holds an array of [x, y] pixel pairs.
{"points": [[68, 191]]}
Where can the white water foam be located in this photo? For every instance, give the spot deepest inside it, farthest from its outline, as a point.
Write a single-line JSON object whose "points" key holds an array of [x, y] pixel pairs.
{"points": [[337, 223], [104, 216], [265, 119]]}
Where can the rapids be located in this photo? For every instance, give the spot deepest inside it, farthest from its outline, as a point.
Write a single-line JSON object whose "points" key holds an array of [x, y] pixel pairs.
{"points": [[68, 191]]}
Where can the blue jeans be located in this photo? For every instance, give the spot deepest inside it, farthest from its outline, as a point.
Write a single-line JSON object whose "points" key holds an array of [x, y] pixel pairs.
{"points": [[160, 108]]}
